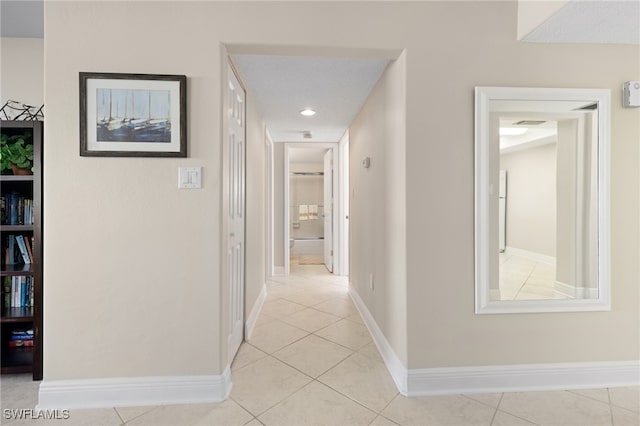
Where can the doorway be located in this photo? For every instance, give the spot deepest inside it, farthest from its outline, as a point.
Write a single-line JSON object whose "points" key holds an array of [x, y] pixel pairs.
{"points": [[312, 211]]}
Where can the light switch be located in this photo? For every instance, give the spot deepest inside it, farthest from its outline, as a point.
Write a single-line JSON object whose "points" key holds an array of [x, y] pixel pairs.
{"points": [[190, 177], [631, 94]]}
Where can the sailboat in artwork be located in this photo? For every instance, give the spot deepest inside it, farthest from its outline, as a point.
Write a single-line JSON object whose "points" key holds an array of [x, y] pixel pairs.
{"points": [[131, 124]]}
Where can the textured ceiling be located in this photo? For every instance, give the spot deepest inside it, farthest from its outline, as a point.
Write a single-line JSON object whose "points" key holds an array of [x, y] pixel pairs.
{"points": [[335, 88], [602, 21], [22, 18]]}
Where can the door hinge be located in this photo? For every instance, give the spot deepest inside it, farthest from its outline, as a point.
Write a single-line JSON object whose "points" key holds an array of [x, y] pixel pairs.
{"points": [[331, 252]]}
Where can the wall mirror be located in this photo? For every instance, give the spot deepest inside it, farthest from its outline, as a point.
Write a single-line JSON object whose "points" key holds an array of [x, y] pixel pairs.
{"points": [[541, 199]]}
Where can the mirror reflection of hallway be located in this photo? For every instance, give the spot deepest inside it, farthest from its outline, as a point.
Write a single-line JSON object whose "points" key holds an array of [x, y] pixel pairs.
{"points": [[542, 202]]}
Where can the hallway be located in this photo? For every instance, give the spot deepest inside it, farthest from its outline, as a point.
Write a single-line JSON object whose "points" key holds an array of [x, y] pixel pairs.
{"points": [[311, 361]]}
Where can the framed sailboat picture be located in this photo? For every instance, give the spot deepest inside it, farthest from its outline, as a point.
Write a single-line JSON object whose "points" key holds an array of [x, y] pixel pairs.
{"points": [[133, 115]]}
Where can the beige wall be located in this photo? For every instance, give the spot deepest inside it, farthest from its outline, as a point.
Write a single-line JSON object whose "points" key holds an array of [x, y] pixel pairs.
{"points": [[377, 204], [22, 66], [531, 199], [440, 192], [532, 13], [132, 263]]}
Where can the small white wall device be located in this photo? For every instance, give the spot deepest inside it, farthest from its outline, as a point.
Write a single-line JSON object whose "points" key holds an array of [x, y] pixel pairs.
{"points": [[190, 177], [631, 94], [366, 163]]}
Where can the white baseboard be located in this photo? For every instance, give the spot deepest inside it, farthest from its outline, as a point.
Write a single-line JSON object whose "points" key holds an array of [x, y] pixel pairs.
{"points": [[279, 271], [575, 292], [537, 257], [255, 312], [396, 368], [498, 378], [528, 377], [133, 391]]}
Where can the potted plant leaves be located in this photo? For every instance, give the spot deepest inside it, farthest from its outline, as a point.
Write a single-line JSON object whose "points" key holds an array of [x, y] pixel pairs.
{"points": [[16, 154]]}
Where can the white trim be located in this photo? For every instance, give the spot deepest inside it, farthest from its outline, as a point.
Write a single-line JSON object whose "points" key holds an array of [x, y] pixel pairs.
{"points": [[133, 391], [496, 378], [278, 271], [396, 368], [528, 377], [531, 255], [343, 215], [255, 312], [269, 208], [575, 292], [483, 304], [286, 212]]}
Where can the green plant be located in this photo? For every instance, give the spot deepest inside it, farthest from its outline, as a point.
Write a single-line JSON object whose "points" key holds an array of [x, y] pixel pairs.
{"points": [[14, 149]]}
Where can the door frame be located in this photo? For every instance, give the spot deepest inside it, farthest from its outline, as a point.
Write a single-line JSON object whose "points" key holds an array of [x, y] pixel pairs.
{"points": [[337, 191], [225, 270], [270, 205]]}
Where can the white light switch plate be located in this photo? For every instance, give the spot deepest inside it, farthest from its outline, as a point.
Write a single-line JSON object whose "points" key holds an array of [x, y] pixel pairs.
{"points": [[189, 177]]}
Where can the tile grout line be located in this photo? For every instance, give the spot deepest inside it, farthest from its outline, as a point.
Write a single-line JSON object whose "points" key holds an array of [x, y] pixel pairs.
{"points": [[610, 407], [348, 397], [495, 413], [120, 417]]}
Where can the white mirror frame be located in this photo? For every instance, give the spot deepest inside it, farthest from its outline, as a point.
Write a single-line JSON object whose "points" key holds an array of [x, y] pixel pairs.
{"points": [[483, 96]]}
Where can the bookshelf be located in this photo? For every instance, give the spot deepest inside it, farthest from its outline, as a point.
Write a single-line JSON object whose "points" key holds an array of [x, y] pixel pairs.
{"points": [[21, 285]]}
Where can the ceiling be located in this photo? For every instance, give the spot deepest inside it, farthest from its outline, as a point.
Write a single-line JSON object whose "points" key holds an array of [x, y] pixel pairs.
{"points": [[579, 21], [547, 114], [602, 21], [22, 18], [282, 86]]}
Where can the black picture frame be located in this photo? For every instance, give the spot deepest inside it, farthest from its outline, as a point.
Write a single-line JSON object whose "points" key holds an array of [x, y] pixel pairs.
{"points": [[133, 115]]}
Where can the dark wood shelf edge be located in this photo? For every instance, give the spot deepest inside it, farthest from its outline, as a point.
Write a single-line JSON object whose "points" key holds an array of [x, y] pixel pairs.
{"points": [[11, 272], [17, 369], [25, 314], [16, 228], [16, 178]]}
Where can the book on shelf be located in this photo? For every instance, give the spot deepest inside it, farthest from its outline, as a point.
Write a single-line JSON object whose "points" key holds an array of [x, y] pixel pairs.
{"points": [[23, 249], [29, 244], [10, 251], [22, 335], [20, 343], [16, 210], [18, 292], [18, 250]]}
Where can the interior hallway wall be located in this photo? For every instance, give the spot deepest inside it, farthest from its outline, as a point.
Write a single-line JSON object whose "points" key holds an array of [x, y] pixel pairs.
{"points": [[22, 70], [119, 301], [440, 191], [377, 203], [531, 199]]}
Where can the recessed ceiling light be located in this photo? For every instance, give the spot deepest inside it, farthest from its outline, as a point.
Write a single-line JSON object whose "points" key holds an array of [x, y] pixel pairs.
{"points": [[307, 112], [513, 131]]}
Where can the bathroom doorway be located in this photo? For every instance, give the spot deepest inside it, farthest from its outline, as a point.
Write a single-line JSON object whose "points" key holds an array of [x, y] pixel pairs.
{"points": [[310, 205]]}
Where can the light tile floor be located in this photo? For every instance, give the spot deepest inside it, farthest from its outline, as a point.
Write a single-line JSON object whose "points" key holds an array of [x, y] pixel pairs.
{"points": [[311, 361], [525, 279]]}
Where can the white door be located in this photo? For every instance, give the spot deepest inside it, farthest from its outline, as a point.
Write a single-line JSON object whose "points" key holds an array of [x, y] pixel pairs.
{"points": [[328, 210], [235, 165]]}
